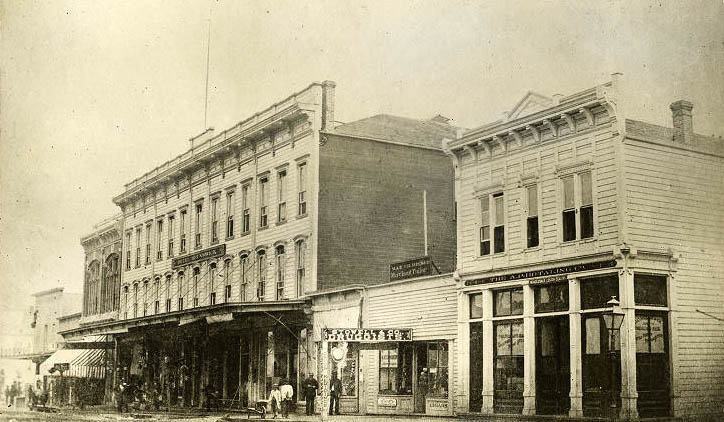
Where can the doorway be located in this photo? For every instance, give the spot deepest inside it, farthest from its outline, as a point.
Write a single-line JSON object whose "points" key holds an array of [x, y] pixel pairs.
{"points": [[652, 364], [423, 377], [552, 366], [601, 368], [476, 366]]}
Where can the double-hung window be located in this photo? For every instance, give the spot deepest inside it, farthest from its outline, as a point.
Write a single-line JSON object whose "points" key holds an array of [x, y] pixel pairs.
{"points": [[261, 264], [181, 292], [263, 197], [214, 220], [494, 218], [227, 280], [138, 247], [300, 247], [280, 264], [212, 284], [230, 215], [171, 220], [148, 243], [182, 229], [128, 250], [159, 239], [244, 268], [302, 169], [197, 237], [246, 215], [577, 200], [168, 293], [281, 197], [532, 216], [197, 274]]}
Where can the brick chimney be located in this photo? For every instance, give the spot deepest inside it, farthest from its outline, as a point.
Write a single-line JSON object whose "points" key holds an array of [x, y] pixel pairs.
{"points": [[683, 123], [328, 105]]}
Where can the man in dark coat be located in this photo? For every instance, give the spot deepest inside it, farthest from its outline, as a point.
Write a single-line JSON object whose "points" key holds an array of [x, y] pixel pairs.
{"points": [[335, 391], [310, 387]]}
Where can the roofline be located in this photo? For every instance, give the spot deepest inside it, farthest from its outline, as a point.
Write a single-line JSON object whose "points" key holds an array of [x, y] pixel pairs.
{"points": [[385, 141]]}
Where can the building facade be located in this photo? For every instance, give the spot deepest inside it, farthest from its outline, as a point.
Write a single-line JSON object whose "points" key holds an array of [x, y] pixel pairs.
{"points": [[223, 246], [564, 204]]}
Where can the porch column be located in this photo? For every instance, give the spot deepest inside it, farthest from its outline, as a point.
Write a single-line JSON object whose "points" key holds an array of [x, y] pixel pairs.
{"points": [[574, 327], [488, 341], [629, 393], [324, 380], [225, 376], [528, 352]]}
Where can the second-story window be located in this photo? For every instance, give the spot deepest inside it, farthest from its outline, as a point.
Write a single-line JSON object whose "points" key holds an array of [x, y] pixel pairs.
{"points": [[138, 247], [485, 226], [156, 292], [197, 236], [170, 235], [300, 249], [246, 217], [261, 283], [197, 274], [214, 220], [496, 219], [159, 239], [181, 292], [245, 269], [532, 216], [577, 200], [263, 197], [227, 281], [302, 189], [280, 264], [148, 243], [182, 230], [281, 197], [128, 250], [168, 293], [212, 283], [230, 215], [499, 223]]}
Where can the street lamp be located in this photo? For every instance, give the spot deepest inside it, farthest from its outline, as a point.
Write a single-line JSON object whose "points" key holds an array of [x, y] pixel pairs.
{"points": [[612, 318]]}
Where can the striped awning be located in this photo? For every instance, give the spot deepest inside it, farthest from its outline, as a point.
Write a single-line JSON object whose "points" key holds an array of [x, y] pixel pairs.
{"points": [[84, 363]]}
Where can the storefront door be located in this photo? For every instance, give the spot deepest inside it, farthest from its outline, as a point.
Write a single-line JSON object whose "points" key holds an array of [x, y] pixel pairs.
{"points": [[423, 377], [652, 364], [552, 365], [476, 366], [601, 369]]}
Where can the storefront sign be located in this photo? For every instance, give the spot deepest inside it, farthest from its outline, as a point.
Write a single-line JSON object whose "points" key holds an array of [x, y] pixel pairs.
{"points": [[386, 402], [590, 266], [417, 267], [214, 252], [369, 335], [437, 404], [548, 280]]}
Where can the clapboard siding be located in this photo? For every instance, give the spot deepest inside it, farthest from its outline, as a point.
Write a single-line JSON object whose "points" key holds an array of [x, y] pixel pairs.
{"points": [[540, 160], [675, 200]]}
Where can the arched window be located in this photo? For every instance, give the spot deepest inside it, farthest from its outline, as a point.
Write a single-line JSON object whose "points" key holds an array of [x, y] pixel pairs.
{"points": [[135, 300], [280, 262], [93, 288], [180, 288], [197, 273], [244, 268], [261, 281], [212, 283], [157, 295], [125, 302], [300, 250], [167, 294], [227, 281]]}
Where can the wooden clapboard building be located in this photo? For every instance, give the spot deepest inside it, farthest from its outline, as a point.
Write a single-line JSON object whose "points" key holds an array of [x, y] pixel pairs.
{"points": [[563, 204], [224, 245]]}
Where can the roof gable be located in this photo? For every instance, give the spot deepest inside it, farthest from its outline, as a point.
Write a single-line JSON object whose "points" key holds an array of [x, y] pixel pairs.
{"points": [[529, 104]]}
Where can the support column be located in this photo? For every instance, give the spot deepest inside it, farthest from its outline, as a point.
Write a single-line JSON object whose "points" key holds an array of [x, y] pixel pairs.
{"points": [[225, 376], [324, 380], [629, 393], [528, 352], [488, 342], [574, 327]]}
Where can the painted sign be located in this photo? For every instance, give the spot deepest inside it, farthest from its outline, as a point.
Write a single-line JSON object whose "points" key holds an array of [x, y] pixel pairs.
{"points": [[367, 335], [548, 280], [548, 272], [215, 252], [417, 267], [387, 402]]}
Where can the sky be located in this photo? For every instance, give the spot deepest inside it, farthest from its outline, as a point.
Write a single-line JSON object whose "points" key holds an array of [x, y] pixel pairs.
{"points": [[96, 93]]}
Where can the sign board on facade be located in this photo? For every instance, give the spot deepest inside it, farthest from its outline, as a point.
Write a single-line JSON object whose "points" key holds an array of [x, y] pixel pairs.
{"points": [[215, 252], [417, 267], [387, 402], [548, 272], [548, 280], [368, 335]]}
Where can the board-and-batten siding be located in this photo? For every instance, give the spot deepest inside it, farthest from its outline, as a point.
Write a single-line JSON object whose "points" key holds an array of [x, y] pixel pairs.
{"points": [[675, 199], [428, 306], [542, 160]]}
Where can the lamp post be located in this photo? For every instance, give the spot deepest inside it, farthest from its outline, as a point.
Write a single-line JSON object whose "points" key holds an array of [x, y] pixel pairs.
{"points": [[612, 318]]}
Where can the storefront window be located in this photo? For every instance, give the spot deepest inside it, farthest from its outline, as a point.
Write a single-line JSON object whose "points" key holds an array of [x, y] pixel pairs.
{"points": [[650, 290], [509, 302], [508, 366], [650, 334], [396, 370], [437, 364], [349, 373], [476, 306], [551, 298], [596, 291]]}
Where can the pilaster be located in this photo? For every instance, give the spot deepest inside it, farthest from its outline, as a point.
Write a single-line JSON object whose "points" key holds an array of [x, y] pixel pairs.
{"points": [[488, 340], [528, 352], [574, 324], [629, 393]]}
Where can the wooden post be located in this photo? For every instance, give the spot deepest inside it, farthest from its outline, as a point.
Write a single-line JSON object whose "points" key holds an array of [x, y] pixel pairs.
{"points": [[529, 388], [574, 327], [488, 344], [324, 380]]}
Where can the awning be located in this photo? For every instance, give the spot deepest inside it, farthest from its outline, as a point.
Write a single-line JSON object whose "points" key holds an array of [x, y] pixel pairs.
{"points": [[83, 363]]}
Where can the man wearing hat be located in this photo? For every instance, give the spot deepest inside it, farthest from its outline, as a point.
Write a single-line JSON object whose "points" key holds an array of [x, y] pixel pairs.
{"points": [[275, 399]]}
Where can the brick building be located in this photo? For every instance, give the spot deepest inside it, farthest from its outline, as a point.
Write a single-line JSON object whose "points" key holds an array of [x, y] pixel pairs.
{"points": [[563, 204], [223, 246]]}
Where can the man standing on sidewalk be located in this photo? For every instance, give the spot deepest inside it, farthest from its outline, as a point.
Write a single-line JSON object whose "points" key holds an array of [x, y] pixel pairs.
{"points": [[335, 391], [287, 392], [310, 387]]}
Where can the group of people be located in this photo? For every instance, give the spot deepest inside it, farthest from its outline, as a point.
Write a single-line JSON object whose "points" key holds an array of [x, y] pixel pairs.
{"points": [[280, 397]]}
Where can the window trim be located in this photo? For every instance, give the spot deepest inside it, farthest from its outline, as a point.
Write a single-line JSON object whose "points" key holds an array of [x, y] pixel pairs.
{"points": [[575, 172]]}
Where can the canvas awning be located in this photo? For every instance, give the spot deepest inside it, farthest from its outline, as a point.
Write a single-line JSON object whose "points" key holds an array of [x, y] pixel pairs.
{"points": [[83, 363]]}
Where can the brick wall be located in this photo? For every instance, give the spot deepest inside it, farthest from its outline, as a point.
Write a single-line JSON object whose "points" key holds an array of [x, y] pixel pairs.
{"points": [[371, 209]]}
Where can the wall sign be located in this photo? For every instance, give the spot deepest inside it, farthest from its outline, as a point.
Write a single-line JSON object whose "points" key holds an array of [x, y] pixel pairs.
{"points": [[548, 280], [215, 252], [589, 266], [368, 335], [417, 267], [387, 402]]}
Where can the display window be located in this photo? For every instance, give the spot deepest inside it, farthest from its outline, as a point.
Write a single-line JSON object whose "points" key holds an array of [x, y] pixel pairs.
{"points": [[551, 298], [437, 366], [395, 375], [508, 302]]}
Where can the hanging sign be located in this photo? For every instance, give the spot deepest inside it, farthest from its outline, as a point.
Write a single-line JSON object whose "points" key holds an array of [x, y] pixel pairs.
{"points": [[215, 252], [367, 335]]}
